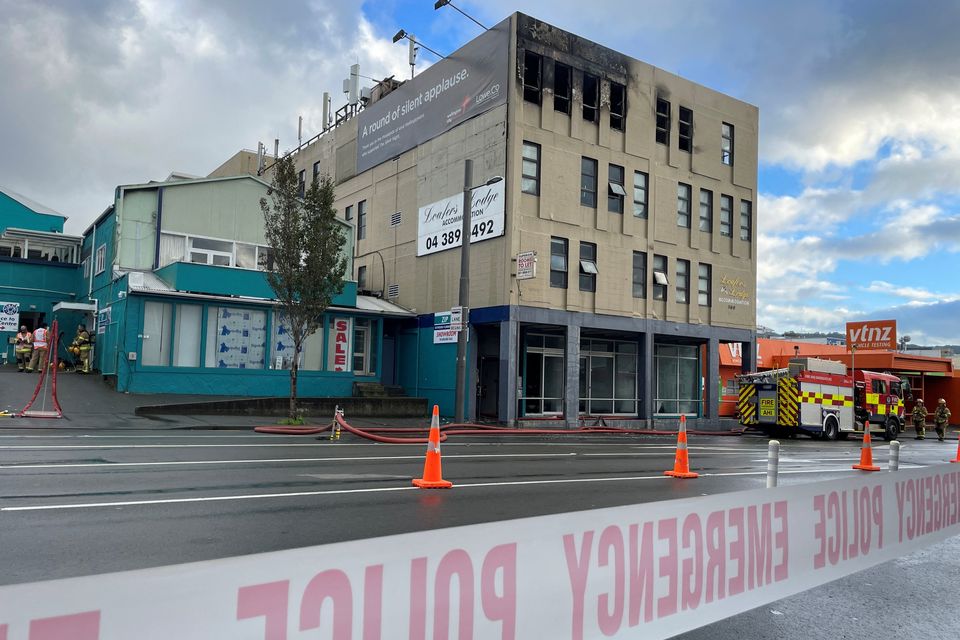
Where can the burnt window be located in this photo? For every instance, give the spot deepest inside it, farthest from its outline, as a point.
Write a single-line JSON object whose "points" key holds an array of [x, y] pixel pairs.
{"points": [[591, 97], [686, 130], [663, 121], [726, 144], [562, 84], [618, 105], [588, 182], [615, 191], [532, 85]]}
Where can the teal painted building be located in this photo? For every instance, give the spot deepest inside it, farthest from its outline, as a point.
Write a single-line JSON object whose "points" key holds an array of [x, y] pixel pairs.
{"points": [[183, 305], [39, 267]]}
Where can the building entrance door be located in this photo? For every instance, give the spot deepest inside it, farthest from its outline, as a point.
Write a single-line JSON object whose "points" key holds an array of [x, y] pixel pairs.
{"points": [[596, 384], [543, 383]]}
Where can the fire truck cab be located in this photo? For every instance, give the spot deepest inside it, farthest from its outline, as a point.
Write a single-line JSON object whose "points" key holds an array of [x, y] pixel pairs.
{"points": [[818, 398]]}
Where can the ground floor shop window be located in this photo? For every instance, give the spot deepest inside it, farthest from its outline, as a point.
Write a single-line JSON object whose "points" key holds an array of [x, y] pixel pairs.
{"points": [[608, 377], [236, 338], [187, 332], [543, 375], [156, 334], [282, 349], [677, 374]]}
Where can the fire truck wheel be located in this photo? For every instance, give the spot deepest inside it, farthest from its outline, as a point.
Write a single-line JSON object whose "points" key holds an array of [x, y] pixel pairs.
{"points": [[831, 429], [891, 430]]}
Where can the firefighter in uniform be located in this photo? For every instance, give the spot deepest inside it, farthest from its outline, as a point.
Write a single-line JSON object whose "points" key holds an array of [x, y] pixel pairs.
{"points": [[81, 347], [40, 348], [941, 418], [23, 347], [920, 419]]}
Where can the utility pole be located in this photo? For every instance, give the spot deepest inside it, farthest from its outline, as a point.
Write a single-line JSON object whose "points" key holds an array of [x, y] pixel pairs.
{"points": [[461, 390]]}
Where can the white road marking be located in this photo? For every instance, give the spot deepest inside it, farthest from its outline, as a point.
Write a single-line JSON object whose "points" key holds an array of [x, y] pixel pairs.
{"points": [[330, 492]]}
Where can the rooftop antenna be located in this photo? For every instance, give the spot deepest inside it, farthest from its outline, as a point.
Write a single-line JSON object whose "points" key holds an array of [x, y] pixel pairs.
{"points": [[443, 3], [326, 111], [300, 131], [351, 86], [276, 149], [412, 54], [260, 159]]}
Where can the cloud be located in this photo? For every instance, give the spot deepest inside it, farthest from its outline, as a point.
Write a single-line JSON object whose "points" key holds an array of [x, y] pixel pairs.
{"points": [[98, 94], [927, 324], [916, 296]]}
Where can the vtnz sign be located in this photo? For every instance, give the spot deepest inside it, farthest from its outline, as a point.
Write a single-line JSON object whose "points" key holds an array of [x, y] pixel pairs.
{"points": [[872, 334]]}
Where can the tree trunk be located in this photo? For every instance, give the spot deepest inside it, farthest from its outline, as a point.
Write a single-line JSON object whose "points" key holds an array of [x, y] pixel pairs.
{"points": [[294, 369]]}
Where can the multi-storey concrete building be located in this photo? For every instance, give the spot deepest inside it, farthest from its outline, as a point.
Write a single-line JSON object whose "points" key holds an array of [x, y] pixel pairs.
{"points": [[635, 188]]}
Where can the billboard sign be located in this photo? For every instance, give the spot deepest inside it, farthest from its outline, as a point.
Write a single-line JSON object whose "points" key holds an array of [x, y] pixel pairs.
{"points": [[468, 82], [9, 316], [439, 224], [872, 334]]}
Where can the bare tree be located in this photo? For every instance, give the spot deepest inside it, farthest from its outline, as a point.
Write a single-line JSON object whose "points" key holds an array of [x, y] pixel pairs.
{"points": [[307, 264]]}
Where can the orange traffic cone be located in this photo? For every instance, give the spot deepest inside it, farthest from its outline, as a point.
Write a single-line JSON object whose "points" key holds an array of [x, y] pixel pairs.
{"points": [[432, 477], [681, 464], [958, 450], [866, 452]]}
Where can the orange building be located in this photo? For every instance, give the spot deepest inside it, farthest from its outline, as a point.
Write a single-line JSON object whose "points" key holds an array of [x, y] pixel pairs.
{"points": [[930, 378]]}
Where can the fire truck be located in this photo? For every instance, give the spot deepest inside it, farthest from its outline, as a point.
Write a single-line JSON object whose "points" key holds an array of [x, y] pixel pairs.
{"points": [[817, 397]]}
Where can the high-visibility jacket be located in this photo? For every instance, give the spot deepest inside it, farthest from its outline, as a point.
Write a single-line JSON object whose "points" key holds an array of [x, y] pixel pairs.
{"points": [[40, 338], [23, 342]]}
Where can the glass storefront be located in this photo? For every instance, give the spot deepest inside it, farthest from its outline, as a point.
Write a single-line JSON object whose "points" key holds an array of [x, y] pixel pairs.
{"points": [[677, 374], [608, 377], [543, 375]]}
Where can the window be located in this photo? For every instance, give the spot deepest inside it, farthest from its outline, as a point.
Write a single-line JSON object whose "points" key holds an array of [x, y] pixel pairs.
{"points": [[663, 121], [726, 144], [683, 205], [361, 277], [617, 105], [704, 288], [236, 338], [660, 281], [639, 194], [530, 181], [215, 252], [588, 182], [558, 262], [615, 193], [361, 220], [348, 212], [562, 83], [639, 274], [532, 86], [686, 130], [746, 220], [683, 281], [591, 97], [155, 345], [361, 346], [878, 386], [316, 170], [706, 210], [186, 347], [677, 376], [588, 266], [281, 353], [726, 216], [100, 260], [86, 267], [264, 258], [301, 183]]}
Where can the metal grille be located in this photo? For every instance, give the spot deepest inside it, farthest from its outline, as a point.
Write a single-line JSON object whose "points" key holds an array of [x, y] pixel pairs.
{"points": [[393, 291], [396, 219]]}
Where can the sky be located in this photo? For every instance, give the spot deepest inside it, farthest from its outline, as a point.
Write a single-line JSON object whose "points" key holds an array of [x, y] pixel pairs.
{"points": [[859, 183]]}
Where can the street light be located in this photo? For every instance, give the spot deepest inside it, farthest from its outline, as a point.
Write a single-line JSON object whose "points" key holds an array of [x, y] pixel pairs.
{"points": [[464, 299], [443, 3], [400, 35]]}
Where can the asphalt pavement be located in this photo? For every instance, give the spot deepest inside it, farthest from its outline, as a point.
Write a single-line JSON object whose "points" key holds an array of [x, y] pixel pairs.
{"points": [[80, 503]]}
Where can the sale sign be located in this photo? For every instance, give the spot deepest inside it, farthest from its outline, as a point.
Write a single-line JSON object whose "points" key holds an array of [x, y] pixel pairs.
{"points": [[340, 345], [872, 334]]}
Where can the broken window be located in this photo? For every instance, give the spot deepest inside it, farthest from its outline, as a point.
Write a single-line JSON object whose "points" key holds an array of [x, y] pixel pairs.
{"points": [[663, 121], [562, 84], [591, 97], [532, 85], [726, 144], [615, 193], [686, 130], [618, 105]]}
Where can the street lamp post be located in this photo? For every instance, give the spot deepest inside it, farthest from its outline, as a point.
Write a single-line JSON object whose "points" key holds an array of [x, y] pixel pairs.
{"points": [[464, 298]]}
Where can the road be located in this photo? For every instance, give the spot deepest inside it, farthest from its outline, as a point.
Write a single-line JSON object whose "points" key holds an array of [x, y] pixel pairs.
{"points": [[85, 503]]}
